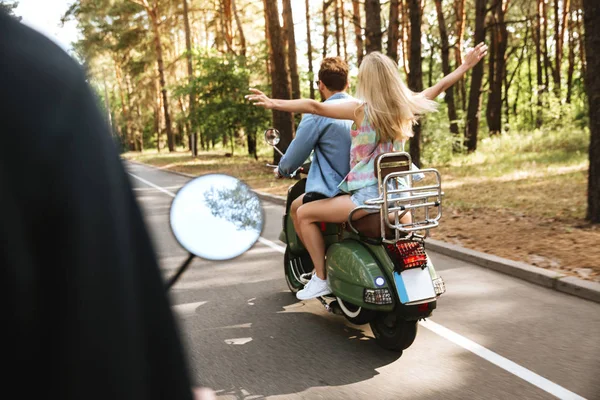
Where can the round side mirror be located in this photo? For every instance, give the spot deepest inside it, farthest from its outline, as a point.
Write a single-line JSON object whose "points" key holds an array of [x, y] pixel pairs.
{"points": [[272, 136], [216, 217]]}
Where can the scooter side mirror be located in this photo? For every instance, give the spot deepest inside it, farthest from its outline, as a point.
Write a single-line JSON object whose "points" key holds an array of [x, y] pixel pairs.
{"points": [[215, 217], [272, 136]]}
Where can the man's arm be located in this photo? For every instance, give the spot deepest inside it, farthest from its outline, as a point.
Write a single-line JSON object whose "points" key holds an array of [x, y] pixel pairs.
{"points": [[298, 151]]}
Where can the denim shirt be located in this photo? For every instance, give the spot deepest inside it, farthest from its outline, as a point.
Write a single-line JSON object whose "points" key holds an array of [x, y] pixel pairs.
{"points": [[330, 139]]}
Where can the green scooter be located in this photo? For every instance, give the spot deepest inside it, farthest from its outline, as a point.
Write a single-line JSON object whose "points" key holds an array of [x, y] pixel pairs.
{"points": [[377, 267]]}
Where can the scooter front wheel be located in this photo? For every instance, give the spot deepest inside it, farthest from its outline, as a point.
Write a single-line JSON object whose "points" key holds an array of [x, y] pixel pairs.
{"points": [[293, 267], [392, 332]]}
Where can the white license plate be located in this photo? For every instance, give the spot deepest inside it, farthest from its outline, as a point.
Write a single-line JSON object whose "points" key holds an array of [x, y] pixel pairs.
{"points": [[414, 285]]}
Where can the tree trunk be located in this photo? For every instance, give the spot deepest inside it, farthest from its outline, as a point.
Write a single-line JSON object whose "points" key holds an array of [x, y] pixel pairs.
{"points": [[356, 21], [344, 38], [338, 44], [405, 35], [582, 49], [141, 140], [459, 8], [560, 26], [127, 134], [473, 110], [547, 63], [326, 4], [311, 74], [291, 40], [431, 55], [251, 141], [157, 107], [373, 25], [227, 26], [497, 68], [154, 18], [134, 123], [393, 30], [268, 59], [190, 69], [591, 20], [446, 70], [539, 71], [415, 77], [557, 49], [282, 121], [571, 69], [240, 29]]}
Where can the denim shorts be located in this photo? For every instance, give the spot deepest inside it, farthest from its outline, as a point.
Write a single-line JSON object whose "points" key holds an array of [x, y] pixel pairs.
{"points": [[359, 196]]}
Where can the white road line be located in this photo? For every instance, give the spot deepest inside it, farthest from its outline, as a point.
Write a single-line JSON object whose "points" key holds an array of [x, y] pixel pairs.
{"points": [[262, 240], [467, 344], [272, 245], [153, 185], [502, 362], [140, 189]]}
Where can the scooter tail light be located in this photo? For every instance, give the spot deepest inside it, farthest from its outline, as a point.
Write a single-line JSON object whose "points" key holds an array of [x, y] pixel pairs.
{"points": [[378, 296], [439, 286], [407, 255]]}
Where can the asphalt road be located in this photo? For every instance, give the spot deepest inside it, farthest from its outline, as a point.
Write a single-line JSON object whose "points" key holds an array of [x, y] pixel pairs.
{"points": [[491, 337]]}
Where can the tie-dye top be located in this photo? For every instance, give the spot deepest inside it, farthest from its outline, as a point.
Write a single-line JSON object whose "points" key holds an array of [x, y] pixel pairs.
{"points": [[363, 151]]}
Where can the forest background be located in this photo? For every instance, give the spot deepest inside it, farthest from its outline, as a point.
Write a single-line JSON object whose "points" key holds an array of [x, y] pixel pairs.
{"points": [[520, 164]]}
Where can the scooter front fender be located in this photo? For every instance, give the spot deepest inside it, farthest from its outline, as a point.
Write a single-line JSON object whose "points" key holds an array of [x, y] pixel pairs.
{"points": [[352, 268]]}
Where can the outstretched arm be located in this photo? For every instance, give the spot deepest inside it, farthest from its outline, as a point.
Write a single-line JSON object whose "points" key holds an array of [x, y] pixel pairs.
{"points": [[472, 57], [345, 110]]}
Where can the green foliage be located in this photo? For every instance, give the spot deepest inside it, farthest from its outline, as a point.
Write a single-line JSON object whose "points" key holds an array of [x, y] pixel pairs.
{"points": [[220, 84], [527, 151], [437, 139]]}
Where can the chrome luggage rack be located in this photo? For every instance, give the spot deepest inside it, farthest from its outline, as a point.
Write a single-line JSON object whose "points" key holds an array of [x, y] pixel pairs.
{"points": [[424, 203]]}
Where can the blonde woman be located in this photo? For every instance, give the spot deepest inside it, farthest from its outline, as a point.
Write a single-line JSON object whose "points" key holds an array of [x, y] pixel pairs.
{"points": [[384, 113]]}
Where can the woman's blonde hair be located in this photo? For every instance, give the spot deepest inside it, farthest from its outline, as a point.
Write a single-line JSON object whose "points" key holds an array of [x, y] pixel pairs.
{"points": [[392, 108]]}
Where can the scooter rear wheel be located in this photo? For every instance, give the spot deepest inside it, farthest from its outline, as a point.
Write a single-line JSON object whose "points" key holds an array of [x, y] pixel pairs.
{"points": [[356, 314], [392, 332], [293, 267]]}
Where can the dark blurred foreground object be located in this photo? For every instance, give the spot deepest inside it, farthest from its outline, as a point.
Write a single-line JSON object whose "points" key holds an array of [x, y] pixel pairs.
{"points": [[85, 315], [591, 18]]}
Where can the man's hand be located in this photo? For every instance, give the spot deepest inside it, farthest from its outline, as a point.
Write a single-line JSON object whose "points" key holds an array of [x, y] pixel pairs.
{"points": [[277, 173], [260, 99], [475, 55]]}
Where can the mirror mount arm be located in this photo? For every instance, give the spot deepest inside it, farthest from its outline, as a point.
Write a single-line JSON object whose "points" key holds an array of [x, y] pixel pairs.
{"points": [[180, 271], [279, 151]]}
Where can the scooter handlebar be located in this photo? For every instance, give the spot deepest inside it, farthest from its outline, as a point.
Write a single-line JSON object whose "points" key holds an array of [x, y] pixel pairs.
{"points": [[300, 170]]}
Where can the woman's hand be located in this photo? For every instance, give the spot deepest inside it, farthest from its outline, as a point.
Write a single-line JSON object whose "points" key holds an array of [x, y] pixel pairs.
{"points": [[260, 99], [475, 55]]}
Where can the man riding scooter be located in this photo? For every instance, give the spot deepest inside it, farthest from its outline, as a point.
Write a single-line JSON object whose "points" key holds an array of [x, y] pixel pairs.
{"points": [[329, 138]]}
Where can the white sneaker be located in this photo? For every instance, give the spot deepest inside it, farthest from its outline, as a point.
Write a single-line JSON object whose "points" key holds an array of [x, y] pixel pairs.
{"points": [[314, 288]]}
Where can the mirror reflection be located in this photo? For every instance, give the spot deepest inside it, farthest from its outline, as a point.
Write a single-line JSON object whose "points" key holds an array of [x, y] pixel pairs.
{"points": [[216, 217], [272, 136]]}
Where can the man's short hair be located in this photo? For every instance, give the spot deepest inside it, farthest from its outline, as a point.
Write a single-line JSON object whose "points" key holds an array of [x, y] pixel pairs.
{"points": [[334, 73]]}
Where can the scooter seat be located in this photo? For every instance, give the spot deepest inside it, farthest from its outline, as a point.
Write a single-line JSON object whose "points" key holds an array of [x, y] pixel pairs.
{"points": [[370, 226]]}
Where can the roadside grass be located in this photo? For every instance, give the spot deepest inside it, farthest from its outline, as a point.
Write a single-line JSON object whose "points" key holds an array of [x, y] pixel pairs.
{"points": [[521, 196]]}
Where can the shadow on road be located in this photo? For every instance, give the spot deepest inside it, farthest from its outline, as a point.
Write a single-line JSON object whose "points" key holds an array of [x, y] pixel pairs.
{"points": [[295, 346]]}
